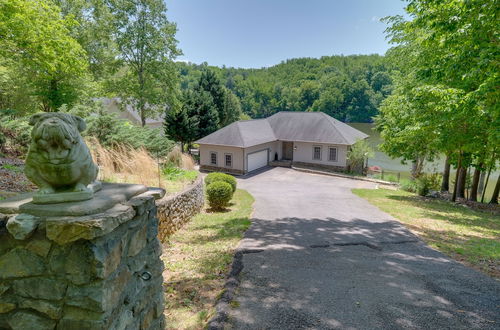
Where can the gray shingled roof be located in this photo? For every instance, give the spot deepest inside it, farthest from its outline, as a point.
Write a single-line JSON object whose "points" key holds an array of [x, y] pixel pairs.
{"points": [[245, 133], [285, 126]]}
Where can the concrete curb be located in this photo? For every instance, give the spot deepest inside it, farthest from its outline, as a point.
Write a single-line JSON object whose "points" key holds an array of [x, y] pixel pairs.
{"points": [[306, 170]]}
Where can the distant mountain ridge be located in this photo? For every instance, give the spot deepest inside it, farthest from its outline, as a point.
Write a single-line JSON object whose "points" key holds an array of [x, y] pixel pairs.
{"points": [[348, 88]]}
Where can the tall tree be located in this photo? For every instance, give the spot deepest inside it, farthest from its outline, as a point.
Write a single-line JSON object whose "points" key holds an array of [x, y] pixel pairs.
{"points": [[147, 45], [35, 42], [232, 108], [202, 104], [180, 126], [451, 45], [209, 83], [94, 31]]}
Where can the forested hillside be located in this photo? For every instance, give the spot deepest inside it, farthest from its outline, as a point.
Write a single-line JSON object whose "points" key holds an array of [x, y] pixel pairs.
{"points": [[349, 88]]}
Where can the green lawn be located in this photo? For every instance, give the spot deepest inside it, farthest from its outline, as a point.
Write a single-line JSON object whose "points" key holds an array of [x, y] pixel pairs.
{"points": [[471, 237], [197, 259]]}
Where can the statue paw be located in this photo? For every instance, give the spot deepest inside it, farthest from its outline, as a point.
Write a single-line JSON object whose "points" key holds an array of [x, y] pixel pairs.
{"points": [[80, 187], [46, 190]]}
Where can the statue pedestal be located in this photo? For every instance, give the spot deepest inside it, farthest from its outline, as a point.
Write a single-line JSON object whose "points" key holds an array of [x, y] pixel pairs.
{"points": [[71, 196], [93, 264]]}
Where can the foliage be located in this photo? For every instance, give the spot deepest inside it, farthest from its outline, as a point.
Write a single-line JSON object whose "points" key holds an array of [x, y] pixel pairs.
{"points": [[444, 100], [173, 173], [358, 154], [41, 64], [349, 88], [16, 133], [461, 233], [111, 130], [195, 277], [146, 43], [219, 193], [408, 185], [181, 126], [94, 31], [217, 176]]}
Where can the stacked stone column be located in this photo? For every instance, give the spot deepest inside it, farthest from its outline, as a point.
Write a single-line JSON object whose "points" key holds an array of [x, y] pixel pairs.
{"points": [[62, 267]]}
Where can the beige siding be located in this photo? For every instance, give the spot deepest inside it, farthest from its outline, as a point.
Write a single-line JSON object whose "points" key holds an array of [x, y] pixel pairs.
{"points": [[237, 153], [303, 152]]}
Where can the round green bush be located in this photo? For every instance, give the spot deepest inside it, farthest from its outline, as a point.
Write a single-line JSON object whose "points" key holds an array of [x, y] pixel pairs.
{"points": [[217, 176], [219, 193]]}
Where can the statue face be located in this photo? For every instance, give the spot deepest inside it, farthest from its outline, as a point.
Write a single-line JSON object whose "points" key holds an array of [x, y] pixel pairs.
{"points": [[55, 134]]}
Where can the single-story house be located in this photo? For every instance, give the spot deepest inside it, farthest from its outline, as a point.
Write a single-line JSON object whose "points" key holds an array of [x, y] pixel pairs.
{"points": [[301, 138]]}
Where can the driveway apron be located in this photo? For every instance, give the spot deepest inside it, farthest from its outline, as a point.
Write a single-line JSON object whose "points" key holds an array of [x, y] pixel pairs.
{"points": [[319, 257]]}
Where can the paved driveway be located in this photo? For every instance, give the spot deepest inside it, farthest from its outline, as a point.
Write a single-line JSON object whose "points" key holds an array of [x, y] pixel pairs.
{"points": [[319, 257]]}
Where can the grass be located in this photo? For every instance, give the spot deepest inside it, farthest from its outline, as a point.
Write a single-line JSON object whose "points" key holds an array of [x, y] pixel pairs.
{"points": [[471, 237], [197, 259]]}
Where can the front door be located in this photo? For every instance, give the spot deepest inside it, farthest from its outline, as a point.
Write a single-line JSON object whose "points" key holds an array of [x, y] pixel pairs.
{"points": [[287, 150]]}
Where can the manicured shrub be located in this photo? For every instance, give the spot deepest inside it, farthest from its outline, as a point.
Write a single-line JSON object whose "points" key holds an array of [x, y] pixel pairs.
{"points": [[219, 193], [217, 176]]}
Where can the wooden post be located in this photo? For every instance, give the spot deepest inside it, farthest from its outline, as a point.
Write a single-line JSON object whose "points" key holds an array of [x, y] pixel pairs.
{"points": [[382, 174], [399, 176]]}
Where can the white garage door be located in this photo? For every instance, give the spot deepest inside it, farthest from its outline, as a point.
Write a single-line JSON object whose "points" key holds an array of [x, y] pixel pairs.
{"points": [[257, 160]]}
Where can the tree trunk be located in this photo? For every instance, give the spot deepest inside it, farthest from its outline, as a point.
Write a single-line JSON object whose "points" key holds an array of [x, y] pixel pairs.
{"points": [[475, 183], [494, 198], [417, 167], [445, 185], [143, 118], [481, 182], [462, 176], [459, 166], [486, 184]]}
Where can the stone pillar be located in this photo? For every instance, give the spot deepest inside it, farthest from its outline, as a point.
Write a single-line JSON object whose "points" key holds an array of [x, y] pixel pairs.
{"points": [[82, 265]]}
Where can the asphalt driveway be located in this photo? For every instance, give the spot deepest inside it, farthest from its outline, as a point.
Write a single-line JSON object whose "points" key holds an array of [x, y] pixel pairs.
{"points": [[319, 257]]}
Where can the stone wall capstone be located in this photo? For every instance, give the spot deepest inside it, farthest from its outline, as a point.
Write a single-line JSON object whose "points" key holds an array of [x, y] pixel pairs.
{"points": [[175, 210], [82, 270]]}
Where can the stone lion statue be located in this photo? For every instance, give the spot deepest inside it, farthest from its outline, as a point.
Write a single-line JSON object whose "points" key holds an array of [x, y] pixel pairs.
{"points": [[58, 159]]}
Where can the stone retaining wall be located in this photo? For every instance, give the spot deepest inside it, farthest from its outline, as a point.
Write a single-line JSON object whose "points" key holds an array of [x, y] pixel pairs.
{"points": [[99, 271], [174, 211]]}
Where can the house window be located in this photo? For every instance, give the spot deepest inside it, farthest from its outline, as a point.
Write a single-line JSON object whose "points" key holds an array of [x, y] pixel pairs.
{"points": [[229, 160], [316, 153], [213, 158], [332, 154]]}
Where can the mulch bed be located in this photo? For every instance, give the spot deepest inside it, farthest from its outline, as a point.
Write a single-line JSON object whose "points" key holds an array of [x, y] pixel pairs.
{"points": [[12, 178]]}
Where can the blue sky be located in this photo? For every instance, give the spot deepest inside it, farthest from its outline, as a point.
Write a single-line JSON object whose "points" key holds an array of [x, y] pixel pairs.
{"points": [[261, 33]]}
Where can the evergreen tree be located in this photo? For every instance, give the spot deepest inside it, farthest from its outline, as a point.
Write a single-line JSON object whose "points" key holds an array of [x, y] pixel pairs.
{"points": [[202, 104], [180, 126], [232, 108], [211, 84]]}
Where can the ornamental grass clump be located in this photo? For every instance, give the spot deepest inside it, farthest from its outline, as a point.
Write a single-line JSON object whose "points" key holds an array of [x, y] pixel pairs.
{"points": [[217, 176], [219, 193]]}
